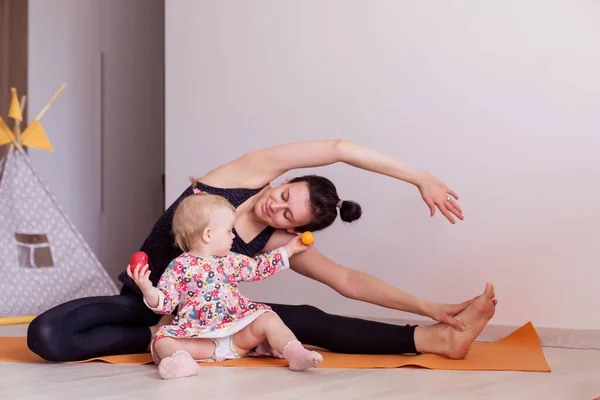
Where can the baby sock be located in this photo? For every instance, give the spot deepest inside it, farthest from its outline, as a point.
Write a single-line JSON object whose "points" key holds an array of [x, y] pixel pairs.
{"points": [[300, 358], [179, 365]]}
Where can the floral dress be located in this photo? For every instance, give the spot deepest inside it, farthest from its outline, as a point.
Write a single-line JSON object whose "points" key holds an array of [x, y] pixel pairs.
{"points": [[206, 295]]}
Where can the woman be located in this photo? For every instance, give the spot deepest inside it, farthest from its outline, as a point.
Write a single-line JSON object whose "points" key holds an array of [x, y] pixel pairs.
{"points": [[266, 218]]}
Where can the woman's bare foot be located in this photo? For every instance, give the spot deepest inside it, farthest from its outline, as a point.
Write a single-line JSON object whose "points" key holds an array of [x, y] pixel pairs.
{"points": [[444, 340]]}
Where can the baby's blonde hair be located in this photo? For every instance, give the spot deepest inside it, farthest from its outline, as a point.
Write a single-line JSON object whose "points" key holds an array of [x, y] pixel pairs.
{"points": [[193, 215]]}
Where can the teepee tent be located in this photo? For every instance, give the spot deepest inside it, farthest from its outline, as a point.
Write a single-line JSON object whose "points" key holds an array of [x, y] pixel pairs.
{"points": [[44, 260]]}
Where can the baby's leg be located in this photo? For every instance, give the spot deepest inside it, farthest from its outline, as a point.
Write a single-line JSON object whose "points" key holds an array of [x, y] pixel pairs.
{"points": [[178, 356], [166, 319], [270, 327]]}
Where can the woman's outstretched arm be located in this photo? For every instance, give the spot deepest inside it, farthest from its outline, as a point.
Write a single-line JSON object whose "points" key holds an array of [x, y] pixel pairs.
{"points": [[258, 168], [361, 286]]}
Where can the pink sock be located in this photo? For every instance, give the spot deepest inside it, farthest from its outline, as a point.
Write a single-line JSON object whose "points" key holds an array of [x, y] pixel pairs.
{"points": [[179, 365], [300, 358]]}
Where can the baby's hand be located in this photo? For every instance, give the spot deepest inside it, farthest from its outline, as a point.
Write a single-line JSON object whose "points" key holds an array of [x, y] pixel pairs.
{"points": [[141, 277], [296, 246]]}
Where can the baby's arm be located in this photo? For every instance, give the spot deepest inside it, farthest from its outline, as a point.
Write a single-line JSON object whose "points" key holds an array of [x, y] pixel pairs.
{"points": [[260, 267], [267, 264], [164, 298]]}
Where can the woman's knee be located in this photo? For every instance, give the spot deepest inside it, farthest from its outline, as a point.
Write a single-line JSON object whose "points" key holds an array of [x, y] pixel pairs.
{"points": [[307, 311], [44, 338], [299, 316], [312, 310]]}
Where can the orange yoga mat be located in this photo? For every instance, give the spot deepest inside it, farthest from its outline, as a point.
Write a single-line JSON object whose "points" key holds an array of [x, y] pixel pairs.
{"points": [[519, 351]]}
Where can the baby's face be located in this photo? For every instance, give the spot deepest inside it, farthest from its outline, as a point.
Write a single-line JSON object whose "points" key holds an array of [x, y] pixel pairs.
{"points": [[221, 238]]}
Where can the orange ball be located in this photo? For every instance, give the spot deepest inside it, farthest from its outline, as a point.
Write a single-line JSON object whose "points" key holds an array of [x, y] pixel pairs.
{"points": [[307, 238]]}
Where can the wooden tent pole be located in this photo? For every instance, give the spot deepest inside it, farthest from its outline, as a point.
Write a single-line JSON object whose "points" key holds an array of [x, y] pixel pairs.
{"points": [[52, 100]]}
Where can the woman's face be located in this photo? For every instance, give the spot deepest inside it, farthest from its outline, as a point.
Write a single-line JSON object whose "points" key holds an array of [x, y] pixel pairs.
{"points": [[285, 207]]}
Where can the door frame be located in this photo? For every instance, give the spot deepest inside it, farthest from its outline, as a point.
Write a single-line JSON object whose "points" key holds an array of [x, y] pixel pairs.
{"points": [[14, 27]]}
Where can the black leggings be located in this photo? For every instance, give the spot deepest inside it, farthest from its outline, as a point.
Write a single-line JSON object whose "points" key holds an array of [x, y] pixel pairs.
{"points": [[112, 325]]}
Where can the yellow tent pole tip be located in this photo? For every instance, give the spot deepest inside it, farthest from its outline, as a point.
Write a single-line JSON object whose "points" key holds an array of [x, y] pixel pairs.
{"points": [[25, 319]]}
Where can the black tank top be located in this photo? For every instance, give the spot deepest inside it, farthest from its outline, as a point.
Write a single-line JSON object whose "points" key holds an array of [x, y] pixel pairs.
{"points": [[160, 244]]}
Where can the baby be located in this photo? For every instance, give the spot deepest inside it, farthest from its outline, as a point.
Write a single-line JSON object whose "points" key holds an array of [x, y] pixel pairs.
{"points": [[214, 321]]}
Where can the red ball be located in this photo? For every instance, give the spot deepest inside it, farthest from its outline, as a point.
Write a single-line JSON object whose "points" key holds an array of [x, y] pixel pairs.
{"points": [[138, 258]]}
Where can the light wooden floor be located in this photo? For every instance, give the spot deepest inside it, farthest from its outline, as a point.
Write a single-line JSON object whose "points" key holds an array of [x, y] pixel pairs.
{"points": [[576, 375]]}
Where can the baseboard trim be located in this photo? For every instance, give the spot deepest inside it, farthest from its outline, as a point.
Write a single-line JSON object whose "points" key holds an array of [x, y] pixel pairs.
{"points": [[549, 337]]}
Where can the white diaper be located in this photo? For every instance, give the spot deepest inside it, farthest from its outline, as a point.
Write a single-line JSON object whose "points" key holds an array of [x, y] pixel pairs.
{"points": [[224, 349]]}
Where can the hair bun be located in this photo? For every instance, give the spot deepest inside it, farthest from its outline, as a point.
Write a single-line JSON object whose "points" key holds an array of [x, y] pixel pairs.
{"points": [[350, 211]]}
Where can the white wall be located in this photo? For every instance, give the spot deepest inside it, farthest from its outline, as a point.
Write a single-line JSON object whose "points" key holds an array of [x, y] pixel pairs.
{"points": [[64, 38], [133, 45], [107, 127], [499, 100]]}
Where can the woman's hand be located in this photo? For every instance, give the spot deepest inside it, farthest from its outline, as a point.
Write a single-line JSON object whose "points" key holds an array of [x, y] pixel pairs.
{"points": [[436, 193], [445, 313]]}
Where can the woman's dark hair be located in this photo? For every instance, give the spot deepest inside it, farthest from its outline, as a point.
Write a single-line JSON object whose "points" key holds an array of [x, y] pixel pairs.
{"points": [[324, 200]]}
